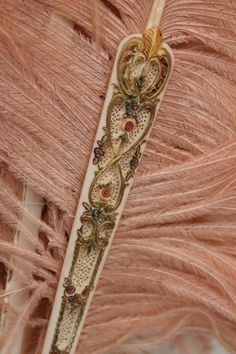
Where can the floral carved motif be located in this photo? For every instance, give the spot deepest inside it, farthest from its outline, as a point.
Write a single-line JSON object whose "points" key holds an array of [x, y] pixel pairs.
{"points": [[142, 70]]}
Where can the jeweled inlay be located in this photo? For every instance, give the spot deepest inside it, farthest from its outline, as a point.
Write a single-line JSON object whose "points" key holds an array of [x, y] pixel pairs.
{"points": [[142, 70]]}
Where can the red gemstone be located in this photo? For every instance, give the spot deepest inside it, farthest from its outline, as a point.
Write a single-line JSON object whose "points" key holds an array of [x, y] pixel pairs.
{"points": [[85, 292], [106, 192], [70, 289], [129, 126]]}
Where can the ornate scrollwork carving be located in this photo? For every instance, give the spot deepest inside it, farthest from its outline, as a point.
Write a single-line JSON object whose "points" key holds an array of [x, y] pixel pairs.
{"points": [[143, 67]]}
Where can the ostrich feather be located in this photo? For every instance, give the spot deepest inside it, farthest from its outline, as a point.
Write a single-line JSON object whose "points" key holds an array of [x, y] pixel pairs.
{"points": [[171, 271]]}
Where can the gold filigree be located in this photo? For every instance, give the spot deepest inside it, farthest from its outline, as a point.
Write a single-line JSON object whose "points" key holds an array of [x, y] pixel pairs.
{"points": [[143, 68]]}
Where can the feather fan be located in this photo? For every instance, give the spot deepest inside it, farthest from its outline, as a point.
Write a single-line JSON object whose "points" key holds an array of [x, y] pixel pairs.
{"points": [[171, 272]]}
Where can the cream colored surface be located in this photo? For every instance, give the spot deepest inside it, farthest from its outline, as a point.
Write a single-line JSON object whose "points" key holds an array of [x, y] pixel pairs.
{"points": [[156, 13]]}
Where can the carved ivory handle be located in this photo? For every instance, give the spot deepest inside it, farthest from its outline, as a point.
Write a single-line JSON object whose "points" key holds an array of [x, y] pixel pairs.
{"points": [[138, 81]]}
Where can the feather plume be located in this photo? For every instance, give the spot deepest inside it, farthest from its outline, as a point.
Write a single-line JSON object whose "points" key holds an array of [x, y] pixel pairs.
{"points": [[171, 272]]}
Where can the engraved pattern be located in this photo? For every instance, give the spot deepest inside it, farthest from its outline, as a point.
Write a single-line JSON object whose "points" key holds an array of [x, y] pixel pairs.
{"points": [[143, 68]]}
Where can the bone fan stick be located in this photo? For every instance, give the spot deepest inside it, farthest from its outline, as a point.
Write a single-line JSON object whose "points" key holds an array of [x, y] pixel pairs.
{"points": [[138, 81]]}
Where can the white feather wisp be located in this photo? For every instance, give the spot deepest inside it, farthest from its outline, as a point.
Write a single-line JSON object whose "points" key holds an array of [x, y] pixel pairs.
{"points": [[171, 272]]}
